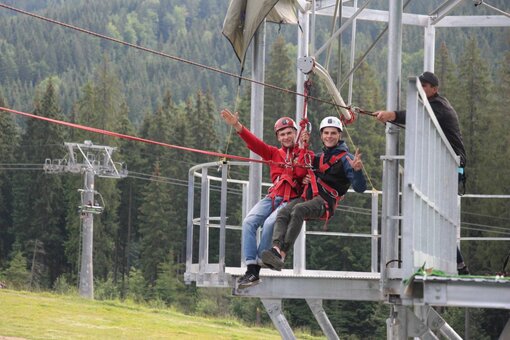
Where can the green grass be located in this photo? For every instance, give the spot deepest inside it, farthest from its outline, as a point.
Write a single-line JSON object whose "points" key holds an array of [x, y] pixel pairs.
{"points": [[49, 316]]}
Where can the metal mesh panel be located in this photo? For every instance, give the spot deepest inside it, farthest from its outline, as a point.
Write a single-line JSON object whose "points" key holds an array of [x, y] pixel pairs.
{"points": [[430, 204]]}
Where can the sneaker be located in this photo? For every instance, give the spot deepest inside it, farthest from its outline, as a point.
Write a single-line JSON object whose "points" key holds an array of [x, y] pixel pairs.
{"points": [[272, 258], [247, 280], [463, 271], [264, 265]]}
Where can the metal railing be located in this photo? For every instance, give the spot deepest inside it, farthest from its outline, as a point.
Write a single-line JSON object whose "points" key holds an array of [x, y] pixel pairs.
{"points": [[431, 210], [214, 274]]}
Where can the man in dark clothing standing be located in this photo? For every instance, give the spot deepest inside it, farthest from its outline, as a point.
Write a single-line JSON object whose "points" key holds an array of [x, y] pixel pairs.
{"points": [[448, 120], [445, 114]]}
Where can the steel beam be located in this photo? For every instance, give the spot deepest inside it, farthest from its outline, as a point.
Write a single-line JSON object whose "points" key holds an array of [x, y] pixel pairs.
{"points": [[505, 334], [429, 48], [423, 20], [445, 8], [274, 309], [322, 318], [294, 287], [463, 293]]}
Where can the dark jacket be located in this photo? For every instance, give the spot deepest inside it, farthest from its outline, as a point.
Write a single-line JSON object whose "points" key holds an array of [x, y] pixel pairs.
{"points": [[449, 122], [339, 176]]}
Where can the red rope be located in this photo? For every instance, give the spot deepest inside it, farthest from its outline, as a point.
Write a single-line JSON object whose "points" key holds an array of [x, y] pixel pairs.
{"points": [[134, 138], [304, 121]]}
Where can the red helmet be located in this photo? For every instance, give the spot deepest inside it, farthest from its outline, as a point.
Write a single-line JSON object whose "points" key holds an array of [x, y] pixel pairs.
{"points": [[283, 123]]}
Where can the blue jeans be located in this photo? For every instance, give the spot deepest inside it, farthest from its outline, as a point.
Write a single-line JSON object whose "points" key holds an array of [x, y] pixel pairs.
{"points": [[262, 214]]}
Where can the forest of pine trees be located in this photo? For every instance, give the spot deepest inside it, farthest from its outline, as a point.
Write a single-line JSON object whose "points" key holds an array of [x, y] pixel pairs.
{"points": [[139, 241]]}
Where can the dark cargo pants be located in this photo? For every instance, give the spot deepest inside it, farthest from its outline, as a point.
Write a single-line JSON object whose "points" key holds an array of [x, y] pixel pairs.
{"points": [[290, 220]]}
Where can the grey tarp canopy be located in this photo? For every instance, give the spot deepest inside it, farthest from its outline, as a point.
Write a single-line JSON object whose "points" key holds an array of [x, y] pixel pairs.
{"points": [[245, 16]]}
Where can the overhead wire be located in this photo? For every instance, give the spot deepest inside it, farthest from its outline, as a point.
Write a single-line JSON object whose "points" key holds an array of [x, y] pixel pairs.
{"points": [[484, 230], [488, 227], [485, 215]]}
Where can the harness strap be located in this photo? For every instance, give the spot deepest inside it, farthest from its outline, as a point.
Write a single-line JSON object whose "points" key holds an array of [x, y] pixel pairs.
{"points": [[285, 178], [326, 216], [323, 167], [313, 184]]}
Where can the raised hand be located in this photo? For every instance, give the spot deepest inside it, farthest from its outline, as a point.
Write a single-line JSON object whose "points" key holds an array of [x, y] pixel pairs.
{"points": [[231, 119], [356, 163]]}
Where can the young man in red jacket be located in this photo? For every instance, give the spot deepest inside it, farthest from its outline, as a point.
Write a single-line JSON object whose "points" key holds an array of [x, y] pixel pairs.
{"points": [[286, 178]]}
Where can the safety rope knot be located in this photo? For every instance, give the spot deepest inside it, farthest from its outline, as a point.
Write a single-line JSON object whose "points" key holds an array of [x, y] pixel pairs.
{"points": [[353, 111], [305, 124], [308, 86]]}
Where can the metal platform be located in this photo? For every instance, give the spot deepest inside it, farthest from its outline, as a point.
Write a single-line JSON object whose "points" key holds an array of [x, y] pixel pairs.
{"points": [[462, 291], [473, 291]]}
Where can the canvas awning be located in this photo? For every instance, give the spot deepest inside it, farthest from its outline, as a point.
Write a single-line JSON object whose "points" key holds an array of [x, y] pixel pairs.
{"points": [[245, 16]]}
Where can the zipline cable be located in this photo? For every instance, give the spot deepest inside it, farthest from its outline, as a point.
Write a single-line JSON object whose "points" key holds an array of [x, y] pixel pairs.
{"points": [[133, 138]]}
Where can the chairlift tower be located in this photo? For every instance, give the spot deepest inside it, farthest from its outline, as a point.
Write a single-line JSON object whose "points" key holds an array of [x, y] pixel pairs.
{"points": [[90, 160]]}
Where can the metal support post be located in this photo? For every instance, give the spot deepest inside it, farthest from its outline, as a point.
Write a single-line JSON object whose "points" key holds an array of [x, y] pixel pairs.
{"points": [[353, 54], [86, 271], [435, 322], [203, 243], [505, 334], [396, 324], [189, 230], [257, 112], [244, 212], [429, 48], [418, 323], [322, 318], [274, 309], [390, 203], [303, 37], [223, 220], [375, 232]]}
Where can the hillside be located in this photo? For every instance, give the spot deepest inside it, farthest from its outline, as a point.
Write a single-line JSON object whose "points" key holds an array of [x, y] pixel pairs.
{"points": [[44, 316]]}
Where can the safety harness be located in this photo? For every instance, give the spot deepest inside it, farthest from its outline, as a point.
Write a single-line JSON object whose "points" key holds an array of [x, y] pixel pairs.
{"points": [[286, 179], [315, 182]]}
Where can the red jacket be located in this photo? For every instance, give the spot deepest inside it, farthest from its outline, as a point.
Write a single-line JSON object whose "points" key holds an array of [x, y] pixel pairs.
{"points": [[286, 179]]}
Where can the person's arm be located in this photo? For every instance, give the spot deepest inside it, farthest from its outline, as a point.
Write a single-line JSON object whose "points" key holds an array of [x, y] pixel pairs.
{"points": [[353, 167], [391, 116], [252, 142]]}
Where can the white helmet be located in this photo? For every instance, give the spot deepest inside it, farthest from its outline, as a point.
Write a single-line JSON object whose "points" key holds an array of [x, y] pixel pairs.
{"points": [[331, 122]]}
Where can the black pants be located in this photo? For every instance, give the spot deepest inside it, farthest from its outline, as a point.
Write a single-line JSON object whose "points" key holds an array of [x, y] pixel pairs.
{"points": [[290, 220]]}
